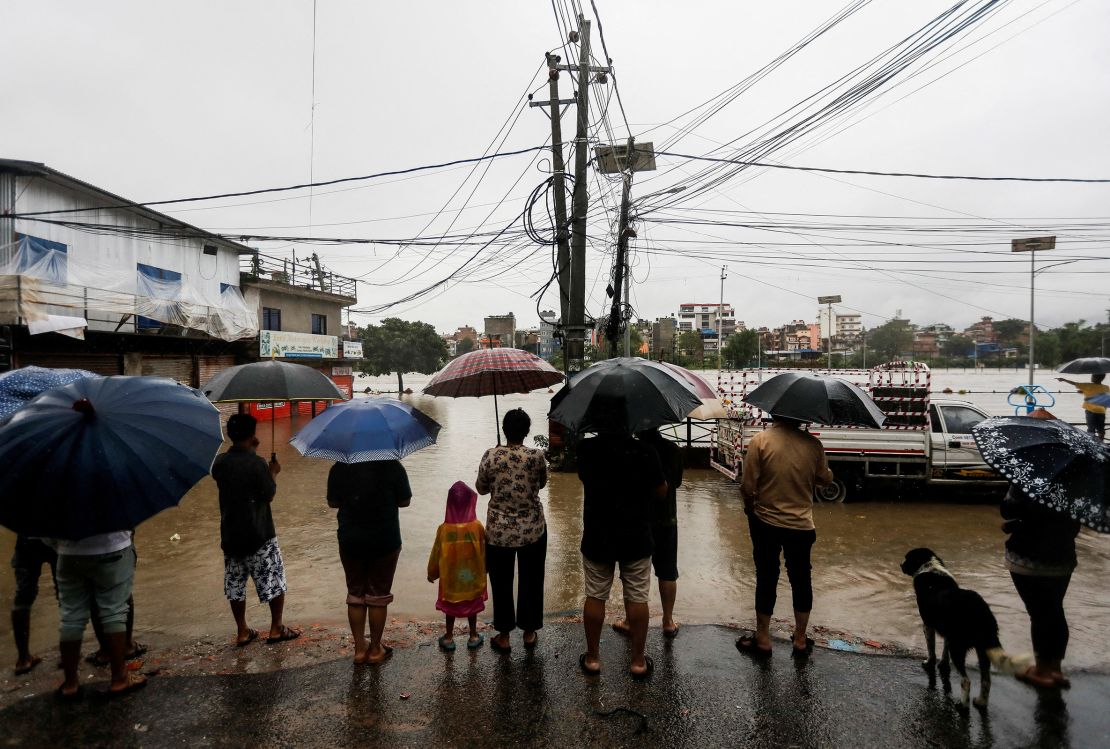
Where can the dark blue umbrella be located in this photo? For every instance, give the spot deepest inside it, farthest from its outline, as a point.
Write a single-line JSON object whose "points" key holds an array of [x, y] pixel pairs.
{"points": [[21, 385], [816, 398], [103, 454], [1052, 463], [366, 429]]}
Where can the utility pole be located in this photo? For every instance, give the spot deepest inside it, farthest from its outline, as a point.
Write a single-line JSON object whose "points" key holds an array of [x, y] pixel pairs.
{"points": [[616, 313], [576, 315], [558, 183], [720, 314], [1031, 246]]}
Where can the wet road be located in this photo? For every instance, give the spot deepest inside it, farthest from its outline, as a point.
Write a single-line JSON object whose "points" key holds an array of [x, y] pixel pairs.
{"points": [[703, 694], [857, 582]]}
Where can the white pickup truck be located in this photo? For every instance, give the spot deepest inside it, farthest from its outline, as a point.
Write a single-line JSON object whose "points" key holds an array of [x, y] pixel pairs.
{"points": [[925, 440]]}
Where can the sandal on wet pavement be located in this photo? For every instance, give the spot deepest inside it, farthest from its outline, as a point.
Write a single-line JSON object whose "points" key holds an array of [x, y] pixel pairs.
{"points": [[586, 669], [286, 635], [646, 673], [445, 645], [804, 652], [61, 696], [475, 644], [1026, 677], [747, 645], [385, 656], [252, 635], [670, 634], [35, 660], [135, 682], [495, 645], [532, 645]]}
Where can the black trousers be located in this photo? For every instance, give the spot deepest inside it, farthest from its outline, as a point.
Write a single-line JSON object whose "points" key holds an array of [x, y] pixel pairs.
{"points": [[1096, 424], [501, 563], [1044, 600], [768, 541]]}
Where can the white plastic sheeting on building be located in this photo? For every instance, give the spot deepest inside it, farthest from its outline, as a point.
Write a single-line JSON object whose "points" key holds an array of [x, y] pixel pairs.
{"points": [[39, 278]]}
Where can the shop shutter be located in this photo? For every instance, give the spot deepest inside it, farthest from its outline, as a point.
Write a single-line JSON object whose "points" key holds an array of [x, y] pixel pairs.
{"points": [[178, 368], [102, 364], [210, 366]]}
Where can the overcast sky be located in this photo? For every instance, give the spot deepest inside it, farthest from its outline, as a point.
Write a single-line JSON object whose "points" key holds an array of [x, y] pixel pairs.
{"points": [[154, 101]]}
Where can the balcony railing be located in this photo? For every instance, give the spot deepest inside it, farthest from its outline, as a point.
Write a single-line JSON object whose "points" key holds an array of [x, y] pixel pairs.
{"points": [[301, 274]]}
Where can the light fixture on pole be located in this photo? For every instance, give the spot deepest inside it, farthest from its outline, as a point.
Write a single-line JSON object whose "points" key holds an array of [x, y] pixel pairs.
{"points": [[1031, 245], [829, 301]]}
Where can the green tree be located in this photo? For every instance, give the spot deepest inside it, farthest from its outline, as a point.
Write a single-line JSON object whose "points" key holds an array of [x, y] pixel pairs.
{"points": [[635, 341], [890, 340], [1010, 331], [464, 346], [958, 346], [401, 346], [740, 348], [691, 347]]}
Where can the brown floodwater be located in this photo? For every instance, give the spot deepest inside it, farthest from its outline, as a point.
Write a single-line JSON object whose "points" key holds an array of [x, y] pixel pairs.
{"points": [[857, 582]]}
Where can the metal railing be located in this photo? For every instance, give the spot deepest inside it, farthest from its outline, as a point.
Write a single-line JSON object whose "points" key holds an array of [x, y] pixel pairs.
{"points": [[691, 433], [300, 273]]}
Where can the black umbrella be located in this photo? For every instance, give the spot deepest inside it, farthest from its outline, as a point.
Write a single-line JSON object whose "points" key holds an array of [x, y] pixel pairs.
{"points": [[625, 394], [1087, 365], [269, 382], [1051, 462], [817, 399]]}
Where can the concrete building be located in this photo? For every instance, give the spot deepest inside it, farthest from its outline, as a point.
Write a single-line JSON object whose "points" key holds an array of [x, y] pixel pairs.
{"points": [[547, 344], [982, 331], [845, 326], [664, 332], [499, 331]]}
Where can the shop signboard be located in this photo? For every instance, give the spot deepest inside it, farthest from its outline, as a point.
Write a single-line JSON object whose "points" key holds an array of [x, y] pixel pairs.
{"points": [[352, 349], [284, 345]]}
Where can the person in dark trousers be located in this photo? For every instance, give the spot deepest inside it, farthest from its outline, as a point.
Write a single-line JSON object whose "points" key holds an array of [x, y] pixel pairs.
{"points": [[1094, 413], [27, 560], [368, 495], [247, 534], [516, 531], [782, 467], [664, 531], [622, 483]]}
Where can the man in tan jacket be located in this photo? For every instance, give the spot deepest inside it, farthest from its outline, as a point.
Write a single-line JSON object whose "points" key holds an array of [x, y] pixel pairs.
{"points": [[782, 467]]}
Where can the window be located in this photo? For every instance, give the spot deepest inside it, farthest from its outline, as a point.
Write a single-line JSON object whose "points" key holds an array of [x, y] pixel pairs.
{"points": [[271, 318], [319, 324], [934, 420], [960, 419]]}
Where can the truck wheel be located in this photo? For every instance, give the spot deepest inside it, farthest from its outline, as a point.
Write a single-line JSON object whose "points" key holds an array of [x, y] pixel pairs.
{"points": [[836, 491]]}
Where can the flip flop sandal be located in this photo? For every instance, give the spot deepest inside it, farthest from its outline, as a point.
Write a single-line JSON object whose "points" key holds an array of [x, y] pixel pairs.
{"points": [[134, 684], [586, 669], [475, 644], [672, 633], [532, 645], [286, 635], [647, 672], [495, 645], [625, 630], [445, 646], [747, 645], [138, 650], [804, 652], [61, 696], [96, 660], [252, 635], [35, 660], [388, 654]]}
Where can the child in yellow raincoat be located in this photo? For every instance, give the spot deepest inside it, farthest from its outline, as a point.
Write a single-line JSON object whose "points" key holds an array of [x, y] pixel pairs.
{"points": [[458, 561]]}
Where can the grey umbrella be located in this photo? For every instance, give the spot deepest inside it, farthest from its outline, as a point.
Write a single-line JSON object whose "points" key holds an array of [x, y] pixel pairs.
{"points": [[1087, 365], [816, 398]]}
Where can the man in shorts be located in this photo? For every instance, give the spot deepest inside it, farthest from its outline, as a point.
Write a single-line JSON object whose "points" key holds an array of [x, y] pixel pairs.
{"points": [[247, 534], [1094, 413], [664, 531], [622, 481], [27, 561]]}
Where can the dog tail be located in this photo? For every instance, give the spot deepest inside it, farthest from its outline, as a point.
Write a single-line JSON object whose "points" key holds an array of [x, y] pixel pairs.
{"points": [[1006, 663]]}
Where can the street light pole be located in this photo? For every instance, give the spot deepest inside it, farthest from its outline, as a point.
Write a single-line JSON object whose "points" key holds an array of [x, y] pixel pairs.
{"points": [[1031, 246]]}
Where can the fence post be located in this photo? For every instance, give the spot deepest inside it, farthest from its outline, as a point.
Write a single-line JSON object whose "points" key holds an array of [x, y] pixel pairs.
{"points": [[689, 432]]}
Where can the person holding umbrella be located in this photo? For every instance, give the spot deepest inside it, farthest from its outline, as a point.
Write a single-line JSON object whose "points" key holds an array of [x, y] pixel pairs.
{"points": [[1094, 412], [247, 534], [782, 467]]}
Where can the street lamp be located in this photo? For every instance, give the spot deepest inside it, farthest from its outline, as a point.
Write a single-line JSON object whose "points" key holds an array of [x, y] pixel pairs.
{"points": [[1031, 246], [829, 301]]}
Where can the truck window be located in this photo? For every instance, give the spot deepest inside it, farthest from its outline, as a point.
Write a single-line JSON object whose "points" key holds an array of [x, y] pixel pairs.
{"points": [[960, 419], [934, 420]]}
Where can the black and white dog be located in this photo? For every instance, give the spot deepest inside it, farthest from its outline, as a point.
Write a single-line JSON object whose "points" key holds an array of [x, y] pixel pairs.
{"points": [[962, 618]]}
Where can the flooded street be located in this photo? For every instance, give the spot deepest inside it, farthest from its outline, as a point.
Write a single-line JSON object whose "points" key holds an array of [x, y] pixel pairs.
{"points": [[858, 586]]}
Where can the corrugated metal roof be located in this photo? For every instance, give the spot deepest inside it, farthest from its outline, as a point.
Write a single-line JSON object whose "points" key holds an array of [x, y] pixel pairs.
{"points": [[39, 169]]}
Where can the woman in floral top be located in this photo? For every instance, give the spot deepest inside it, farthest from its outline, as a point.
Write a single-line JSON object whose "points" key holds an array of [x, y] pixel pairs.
{"points": [[516, 533]]}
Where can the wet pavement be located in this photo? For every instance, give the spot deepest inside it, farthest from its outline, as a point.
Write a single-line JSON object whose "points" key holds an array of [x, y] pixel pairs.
{"points": [[704, 693]]}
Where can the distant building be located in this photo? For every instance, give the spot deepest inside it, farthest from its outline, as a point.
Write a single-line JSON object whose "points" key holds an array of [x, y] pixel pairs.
{"points": [[708, 320], [547, 345], [664, 332], [982, 331], [499, 331], [845, 326]]}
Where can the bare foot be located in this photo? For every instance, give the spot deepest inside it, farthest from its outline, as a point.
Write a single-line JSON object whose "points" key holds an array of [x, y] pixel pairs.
{"points": [[381, 654], [620, 626], [134, 681]]}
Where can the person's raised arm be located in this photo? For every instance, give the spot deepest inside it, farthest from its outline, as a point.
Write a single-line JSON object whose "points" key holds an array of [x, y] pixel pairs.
{"points": [[433, 560], [1070, 382], [404, 491], [267, 487], [749, 480], [335, 486], [482, 485]]}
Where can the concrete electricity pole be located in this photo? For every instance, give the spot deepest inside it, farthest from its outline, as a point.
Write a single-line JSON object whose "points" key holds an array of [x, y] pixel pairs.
{"points": [[620, 279], [720, 314], [576, 316]]}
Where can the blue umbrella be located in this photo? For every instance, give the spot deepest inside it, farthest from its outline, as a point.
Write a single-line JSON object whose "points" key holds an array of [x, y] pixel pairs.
{"points": [[366, 429], [21, 385], [103, 454]]}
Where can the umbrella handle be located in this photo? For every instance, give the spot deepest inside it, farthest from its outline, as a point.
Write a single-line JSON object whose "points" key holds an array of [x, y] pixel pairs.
{"points": [[496, 415]]}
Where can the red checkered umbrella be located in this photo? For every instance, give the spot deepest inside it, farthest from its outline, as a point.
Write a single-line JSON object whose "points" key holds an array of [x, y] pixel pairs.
{"points": [[495, 372]]}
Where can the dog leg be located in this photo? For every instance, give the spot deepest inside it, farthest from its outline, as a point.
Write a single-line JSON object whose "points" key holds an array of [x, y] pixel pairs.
{"points": [[958, 656], [929, 664], [984, 679], [944, 658]]}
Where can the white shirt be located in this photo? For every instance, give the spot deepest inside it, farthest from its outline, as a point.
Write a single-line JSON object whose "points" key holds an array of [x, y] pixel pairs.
{"points": [[103, 543]]}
